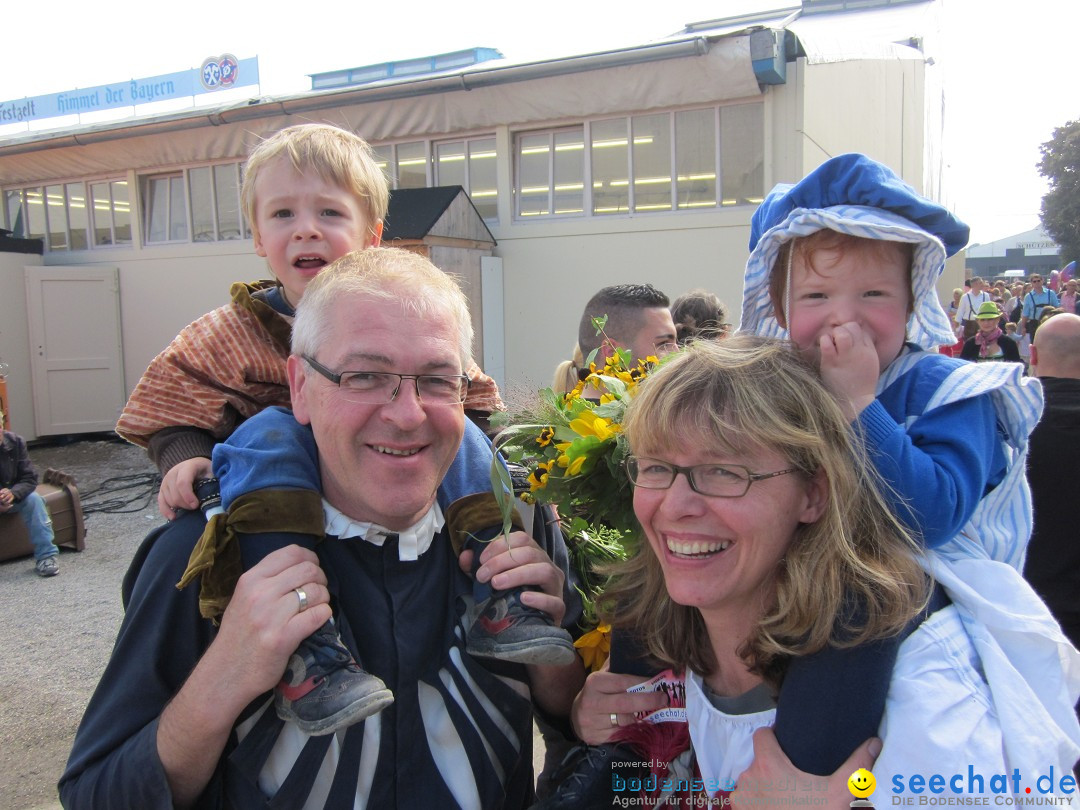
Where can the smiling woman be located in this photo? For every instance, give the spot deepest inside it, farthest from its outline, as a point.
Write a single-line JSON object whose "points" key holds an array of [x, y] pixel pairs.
{"points": [[768, 542]]}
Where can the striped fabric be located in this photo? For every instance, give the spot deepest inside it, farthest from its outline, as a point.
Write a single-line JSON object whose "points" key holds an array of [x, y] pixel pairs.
{"points": [[227, 366], [928, 326], [459, 733]]}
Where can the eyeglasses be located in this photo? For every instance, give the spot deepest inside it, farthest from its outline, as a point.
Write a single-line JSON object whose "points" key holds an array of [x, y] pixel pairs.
{"points": [[713, 480], [381, 387]]}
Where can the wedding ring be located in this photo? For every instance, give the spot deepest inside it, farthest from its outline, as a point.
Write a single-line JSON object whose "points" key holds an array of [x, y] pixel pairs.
{"points": [[614, 719], [303, 601]]}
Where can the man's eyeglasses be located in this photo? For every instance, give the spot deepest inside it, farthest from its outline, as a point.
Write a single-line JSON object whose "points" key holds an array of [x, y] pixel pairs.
{"points": [[714, 480], [381, 387]]}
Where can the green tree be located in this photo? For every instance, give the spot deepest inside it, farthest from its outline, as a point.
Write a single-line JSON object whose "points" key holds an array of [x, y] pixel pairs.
{"points": [[1060, 164]]}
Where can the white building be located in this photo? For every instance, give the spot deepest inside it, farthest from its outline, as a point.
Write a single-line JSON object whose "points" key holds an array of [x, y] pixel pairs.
{"points": [[637, 165]]}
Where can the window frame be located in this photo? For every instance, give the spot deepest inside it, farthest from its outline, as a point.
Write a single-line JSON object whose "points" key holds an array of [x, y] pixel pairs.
{"points": [[145, 182], [591, 176], [388, 151], [50, 229]]}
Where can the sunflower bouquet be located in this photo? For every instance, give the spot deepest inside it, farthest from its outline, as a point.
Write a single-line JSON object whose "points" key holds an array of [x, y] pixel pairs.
{"points": [[573, 448]]}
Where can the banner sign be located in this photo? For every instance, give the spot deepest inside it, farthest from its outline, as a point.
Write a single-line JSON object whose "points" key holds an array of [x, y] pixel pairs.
{"points": [[217, 73]]}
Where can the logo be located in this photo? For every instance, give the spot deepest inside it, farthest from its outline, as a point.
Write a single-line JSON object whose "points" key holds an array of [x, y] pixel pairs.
{"points": [[862, 785], [219, 72]]}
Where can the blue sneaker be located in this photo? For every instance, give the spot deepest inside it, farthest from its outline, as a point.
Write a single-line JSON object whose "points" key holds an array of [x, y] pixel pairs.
{"points": [[510, 631], [324, 690]]}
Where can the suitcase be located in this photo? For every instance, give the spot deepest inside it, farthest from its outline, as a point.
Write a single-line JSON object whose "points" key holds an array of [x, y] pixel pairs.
{"points": [[62, 500]]}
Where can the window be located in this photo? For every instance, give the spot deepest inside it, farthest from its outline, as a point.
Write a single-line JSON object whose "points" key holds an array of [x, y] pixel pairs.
{"points": [[111, 211], [70, 216], [695, 159], [641, 164], [201, 204], [742, 152], [469, 163], [551, 173], [165, 208]]}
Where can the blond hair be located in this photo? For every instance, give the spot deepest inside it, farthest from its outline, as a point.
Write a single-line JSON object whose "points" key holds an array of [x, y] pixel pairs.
{"points": [[396, 277], [336, 155], [568, 372], [850, 577]]}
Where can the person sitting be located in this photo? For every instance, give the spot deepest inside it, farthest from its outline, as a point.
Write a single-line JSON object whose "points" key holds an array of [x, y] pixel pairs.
{"points": [[990, 344], [18, 495], [184, 713], [767, 541]]}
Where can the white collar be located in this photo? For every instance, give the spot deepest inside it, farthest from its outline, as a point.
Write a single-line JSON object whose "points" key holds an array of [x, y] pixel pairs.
{"points": [[412, 542]]}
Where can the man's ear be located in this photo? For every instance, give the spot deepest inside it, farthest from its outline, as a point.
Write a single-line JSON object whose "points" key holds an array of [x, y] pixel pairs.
{"points": [[606, 350], [299, 388], [1034, 355], [817, 498]]}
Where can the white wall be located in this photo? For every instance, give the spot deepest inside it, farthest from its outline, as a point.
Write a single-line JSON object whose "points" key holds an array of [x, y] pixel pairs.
{"points": [[163, 289], [551, 270], [869, 106], [15, 340]]}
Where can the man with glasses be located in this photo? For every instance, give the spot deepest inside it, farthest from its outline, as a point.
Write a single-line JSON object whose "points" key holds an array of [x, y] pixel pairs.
{"points": [[1038, 299], [379, 347]]}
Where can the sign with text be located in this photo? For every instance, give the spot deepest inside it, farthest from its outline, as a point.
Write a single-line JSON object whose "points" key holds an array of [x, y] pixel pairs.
{"points": [[216, 73]]}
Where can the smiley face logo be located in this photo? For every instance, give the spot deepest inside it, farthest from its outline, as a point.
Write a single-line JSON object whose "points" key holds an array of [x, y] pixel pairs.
{"points": [[861, 783]]}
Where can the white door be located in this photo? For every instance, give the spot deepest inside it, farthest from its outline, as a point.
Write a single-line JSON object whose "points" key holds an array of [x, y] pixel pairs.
{"points": [[75, 349]]}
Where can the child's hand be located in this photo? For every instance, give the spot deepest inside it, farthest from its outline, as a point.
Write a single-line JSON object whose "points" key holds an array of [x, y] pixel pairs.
{"points": [[178, 486], [850, 367]]}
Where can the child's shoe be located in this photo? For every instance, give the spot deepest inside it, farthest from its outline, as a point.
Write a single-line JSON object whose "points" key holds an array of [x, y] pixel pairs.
{"points": [[511, 631], [324, 689]]}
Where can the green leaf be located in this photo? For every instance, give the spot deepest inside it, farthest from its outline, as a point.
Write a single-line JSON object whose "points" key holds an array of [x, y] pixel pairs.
{"points": [[503, 488]]}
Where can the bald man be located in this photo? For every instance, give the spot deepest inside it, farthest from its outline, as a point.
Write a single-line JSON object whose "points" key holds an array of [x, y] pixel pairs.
{"points": [[1053, 561]]}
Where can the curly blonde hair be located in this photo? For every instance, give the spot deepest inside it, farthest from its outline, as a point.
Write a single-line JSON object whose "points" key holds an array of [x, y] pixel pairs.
{"points": [[850, 577]]}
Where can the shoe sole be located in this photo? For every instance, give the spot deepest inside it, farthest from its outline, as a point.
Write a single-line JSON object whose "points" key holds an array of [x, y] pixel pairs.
{"points": [[343, 718], [554, 652]]}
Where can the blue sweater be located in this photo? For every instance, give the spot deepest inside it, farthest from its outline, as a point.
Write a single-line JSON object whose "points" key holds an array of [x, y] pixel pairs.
{"points": [[939, 464]]}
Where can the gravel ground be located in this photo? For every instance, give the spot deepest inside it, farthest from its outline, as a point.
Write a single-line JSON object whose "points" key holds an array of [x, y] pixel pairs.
{"points": [[58, 632]]}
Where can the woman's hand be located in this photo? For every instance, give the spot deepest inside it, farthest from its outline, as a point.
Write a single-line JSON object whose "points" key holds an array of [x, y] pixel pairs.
{"points": [[772, 769], [603, 698]]}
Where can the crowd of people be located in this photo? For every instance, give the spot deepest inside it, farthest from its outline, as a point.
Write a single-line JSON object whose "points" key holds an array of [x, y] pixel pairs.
{"points": [[829, 506]]}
